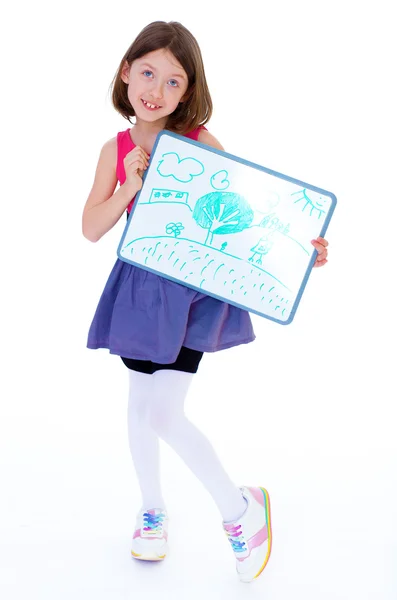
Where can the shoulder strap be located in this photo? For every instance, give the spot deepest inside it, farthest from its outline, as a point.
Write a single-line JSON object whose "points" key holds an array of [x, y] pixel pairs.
{"points": [[193, 135], [124, 145]]}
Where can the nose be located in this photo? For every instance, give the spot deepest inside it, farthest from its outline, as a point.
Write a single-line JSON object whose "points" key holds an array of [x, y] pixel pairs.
{"points": [[157, 91]]}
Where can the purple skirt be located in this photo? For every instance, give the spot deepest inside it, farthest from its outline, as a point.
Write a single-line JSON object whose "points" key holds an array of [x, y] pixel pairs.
{"points": [[141, 315]]}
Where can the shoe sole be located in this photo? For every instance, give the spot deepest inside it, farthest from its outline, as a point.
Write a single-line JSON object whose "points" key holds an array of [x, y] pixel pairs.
{"points": [[150, 554], [148, 557], [270, 537]]}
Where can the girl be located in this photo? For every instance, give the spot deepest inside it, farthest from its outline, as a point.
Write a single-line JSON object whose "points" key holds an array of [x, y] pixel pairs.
{"points": [[159, 328]]}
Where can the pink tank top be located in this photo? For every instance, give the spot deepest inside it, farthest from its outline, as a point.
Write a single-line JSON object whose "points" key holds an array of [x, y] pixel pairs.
{"points": [[125, 145]]}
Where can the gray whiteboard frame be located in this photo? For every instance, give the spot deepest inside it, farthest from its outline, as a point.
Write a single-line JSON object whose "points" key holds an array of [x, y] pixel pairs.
{"points": [[248, 164]]}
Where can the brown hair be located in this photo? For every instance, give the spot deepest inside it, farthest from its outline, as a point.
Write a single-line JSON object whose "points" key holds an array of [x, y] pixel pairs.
{"points": [[173, 36]]}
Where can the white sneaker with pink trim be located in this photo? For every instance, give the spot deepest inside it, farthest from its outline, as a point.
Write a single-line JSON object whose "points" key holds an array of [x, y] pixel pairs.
{"points": [[150, 540], [251, 535]]}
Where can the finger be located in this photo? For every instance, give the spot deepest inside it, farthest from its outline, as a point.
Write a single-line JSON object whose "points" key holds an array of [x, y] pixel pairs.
{"points": [[321, 241], [323, 254], [137, 164], [318, 246], [143, 156], [136, 151], [140, 149], [320, 263], [143, 150], [320, 259], [137, 160]]}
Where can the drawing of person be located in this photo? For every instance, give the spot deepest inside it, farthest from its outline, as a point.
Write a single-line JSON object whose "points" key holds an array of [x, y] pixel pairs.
{"points": [[261, 249]]}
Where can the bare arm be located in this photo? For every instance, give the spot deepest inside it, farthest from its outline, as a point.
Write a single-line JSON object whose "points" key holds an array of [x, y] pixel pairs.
{"points": [[103, 207]]}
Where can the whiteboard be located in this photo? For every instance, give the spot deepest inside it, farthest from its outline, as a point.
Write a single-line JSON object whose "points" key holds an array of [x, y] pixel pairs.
{"points": [[226, 227]]}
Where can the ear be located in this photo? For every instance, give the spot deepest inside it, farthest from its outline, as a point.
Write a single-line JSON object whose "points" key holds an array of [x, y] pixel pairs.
{"points": [[125, 72]]}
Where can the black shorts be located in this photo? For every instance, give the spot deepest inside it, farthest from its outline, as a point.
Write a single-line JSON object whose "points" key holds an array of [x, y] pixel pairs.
{"points": [[188, 360]]}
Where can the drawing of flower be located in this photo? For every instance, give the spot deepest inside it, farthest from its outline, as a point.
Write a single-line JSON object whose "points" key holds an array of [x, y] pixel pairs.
{"points": [[174, 228]]}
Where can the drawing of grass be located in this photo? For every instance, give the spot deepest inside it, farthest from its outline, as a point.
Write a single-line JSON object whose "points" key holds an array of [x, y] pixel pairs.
{"points": [[190, 262]]}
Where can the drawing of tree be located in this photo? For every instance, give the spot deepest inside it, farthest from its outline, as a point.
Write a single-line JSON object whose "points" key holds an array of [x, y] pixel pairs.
{"points": [[222, 213]]}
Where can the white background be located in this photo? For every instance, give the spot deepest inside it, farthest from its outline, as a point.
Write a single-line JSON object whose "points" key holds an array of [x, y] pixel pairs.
{"points": [[307, 410]]}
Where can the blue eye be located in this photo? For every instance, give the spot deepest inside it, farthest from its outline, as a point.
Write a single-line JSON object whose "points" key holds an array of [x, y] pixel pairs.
{"points": [[150, 75]]}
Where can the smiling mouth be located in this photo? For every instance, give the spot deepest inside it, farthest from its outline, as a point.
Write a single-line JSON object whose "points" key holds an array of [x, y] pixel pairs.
{"points": [[149, 105]]}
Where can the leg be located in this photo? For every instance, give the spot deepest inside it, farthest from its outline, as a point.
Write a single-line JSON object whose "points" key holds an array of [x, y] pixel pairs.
{"points": [[168, 419], [143, 441]]}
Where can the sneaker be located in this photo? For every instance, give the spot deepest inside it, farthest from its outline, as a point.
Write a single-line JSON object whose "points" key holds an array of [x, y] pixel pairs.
{"points": [[149, 541], [251, 535]]}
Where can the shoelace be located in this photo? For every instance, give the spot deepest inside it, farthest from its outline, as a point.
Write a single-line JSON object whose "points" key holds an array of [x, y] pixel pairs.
{"points": [[233, 534], [153, 523]]}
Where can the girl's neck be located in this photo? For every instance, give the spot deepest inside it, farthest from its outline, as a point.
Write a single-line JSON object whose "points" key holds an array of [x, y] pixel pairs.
{"points": [[150, 128], [144, 133]]}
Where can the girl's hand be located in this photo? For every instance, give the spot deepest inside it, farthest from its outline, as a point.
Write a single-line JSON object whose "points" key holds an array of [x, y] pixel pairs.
{"points": [[135, 163], [320, 245]]}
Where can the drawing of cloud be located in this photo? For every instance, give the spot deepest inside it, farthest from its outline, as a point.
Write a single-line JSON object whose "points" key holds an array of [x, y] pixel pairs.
{"points": [[219, 180], [181, 169]]}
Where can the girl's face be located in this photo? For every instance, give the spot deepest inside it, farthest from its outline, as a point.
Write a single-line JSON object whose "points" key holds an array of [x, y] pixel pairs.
{"points": [[157, 83]]}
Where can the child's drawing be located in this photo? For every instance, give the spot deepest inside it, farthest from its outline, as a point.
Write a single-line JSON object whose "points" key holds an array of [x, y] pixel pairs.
{"points": [[247, 245], [181, 169], [165, 195], [261, 249], [219, 180], [273, 223], [221, 213], [199, 264], [269, 200], [174, 229], [315, 206]]}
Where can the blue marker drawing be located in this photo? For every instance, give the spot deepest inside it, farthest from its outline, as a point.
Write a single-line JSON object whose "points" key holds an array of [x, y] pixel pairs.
{"points": [[181, 169], [222, 212], [160, 195], [273, 224], [174, 229], [241, 279], [315, 206], [219, 180], [261, 249]]}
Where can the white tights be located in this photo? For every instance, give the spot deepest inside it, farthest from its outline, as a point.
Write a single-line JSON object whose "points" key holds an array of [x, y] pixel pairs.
{"points": [[156, 409]]}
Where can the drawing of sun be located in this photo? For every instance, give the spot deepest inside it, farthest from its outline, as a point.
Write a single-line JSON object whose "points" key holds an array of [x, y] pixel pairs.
{"points": [[315, 207]]}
